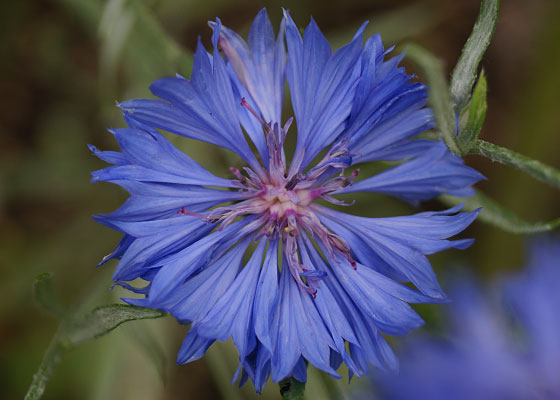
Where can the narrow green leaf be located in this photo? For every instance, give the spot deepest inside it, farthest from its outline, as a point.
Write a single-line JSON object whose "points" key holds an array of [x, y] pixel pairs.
{"points": [[104, 319], [44, 295], [535, 168], [474, 116], [464, 74], [291, 389], [496, 215], [439, 94]]}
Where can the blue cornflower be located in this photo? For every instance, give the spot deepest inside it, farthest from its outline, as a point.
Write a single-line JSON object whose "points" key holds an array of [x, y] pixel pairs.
{"points": [[319, 279], [501, 347]]}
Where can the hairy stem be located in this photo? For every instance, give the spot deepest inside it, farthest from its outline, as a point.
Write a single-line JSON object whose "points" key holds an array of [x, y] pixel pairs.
{"points": [[536, 169]]}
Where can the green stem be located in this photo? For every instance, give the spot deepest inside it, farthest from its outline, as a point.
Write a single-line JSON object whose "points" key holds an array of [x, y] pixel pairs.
{"points": [[536, 169], [494, 214], [50, 361], [439, 98], [464, 74], [79, 329], [291, 389]]}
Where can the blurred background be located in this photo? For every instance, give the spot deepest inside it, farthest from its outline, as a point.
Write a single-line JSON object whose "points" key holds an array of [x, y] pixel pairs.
{"points": [[63, 63]]}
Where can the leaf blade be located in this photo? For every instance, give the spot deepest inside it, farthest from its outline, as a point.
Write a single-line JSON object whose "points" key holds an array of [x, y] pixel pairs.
{"points": [[96, 323], [104, 319], [475, 115], [44, 295]]}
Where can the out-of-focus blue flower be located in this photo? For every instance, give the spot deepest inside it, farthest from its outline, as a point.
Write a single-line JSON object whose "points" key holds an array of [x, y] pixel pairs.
{"points": [[321, 286], [504, 347]]}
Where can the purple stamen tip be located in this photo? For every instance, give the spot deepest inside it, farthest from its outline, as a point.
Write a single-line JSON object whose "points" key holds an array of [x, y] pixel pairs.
{"points": [[184, 211], [245, 104]]}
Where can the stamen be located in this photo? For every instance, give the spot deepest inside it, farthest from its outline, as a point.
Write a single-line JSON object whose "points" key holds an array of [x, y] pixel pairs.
{"points": [[296, 268], [253, 181], [294, 181], [287, 126], [352, 176], [313, 277], [184, 211], [236, 172], [341, 245], [253, 178], [337, 157], [255, 114], [335, 184], [332, 200], [277, 162], [280, 204]]}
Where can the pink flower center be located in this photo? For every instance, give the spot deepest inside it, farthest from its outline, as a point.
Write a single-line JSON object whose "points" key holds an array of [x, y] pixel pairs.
{"points": [[282, 203]]}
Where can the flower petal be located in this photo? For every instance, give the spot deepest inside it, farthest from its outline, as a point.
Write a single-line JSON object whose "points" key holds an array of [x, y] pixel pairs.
{"points": [[266, 297], [260, 65], [193, 348], [147, 250], [202, 108], [176, 268], [195, 298], [392, 132], [300, 331], [322, 86], [152, 158], [400, 243], [232, 315], [428, 175]]}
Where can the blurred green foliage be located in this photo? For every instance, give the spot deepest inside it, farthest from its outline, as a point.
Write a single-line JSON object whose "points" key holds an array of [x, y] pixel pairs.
{"points": [[65, 62]]}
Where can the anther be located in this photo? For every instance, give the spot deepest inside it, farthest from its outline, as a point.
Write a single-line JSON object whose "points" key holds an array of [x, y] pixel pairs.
{"points": [[236, 172], [291, 230], [294, 181], [351, 178]]}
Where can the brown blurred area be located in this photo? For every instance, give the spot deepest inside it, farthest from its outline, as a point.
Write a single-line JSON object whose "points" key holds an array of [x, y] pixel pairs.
{"points": [[63, 63]]}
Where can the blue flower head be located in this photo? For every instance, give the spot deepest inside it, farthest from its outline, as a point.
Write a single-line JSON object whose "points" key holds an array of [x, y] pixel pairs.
{"points": [[503, 347], [321, 286]]}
